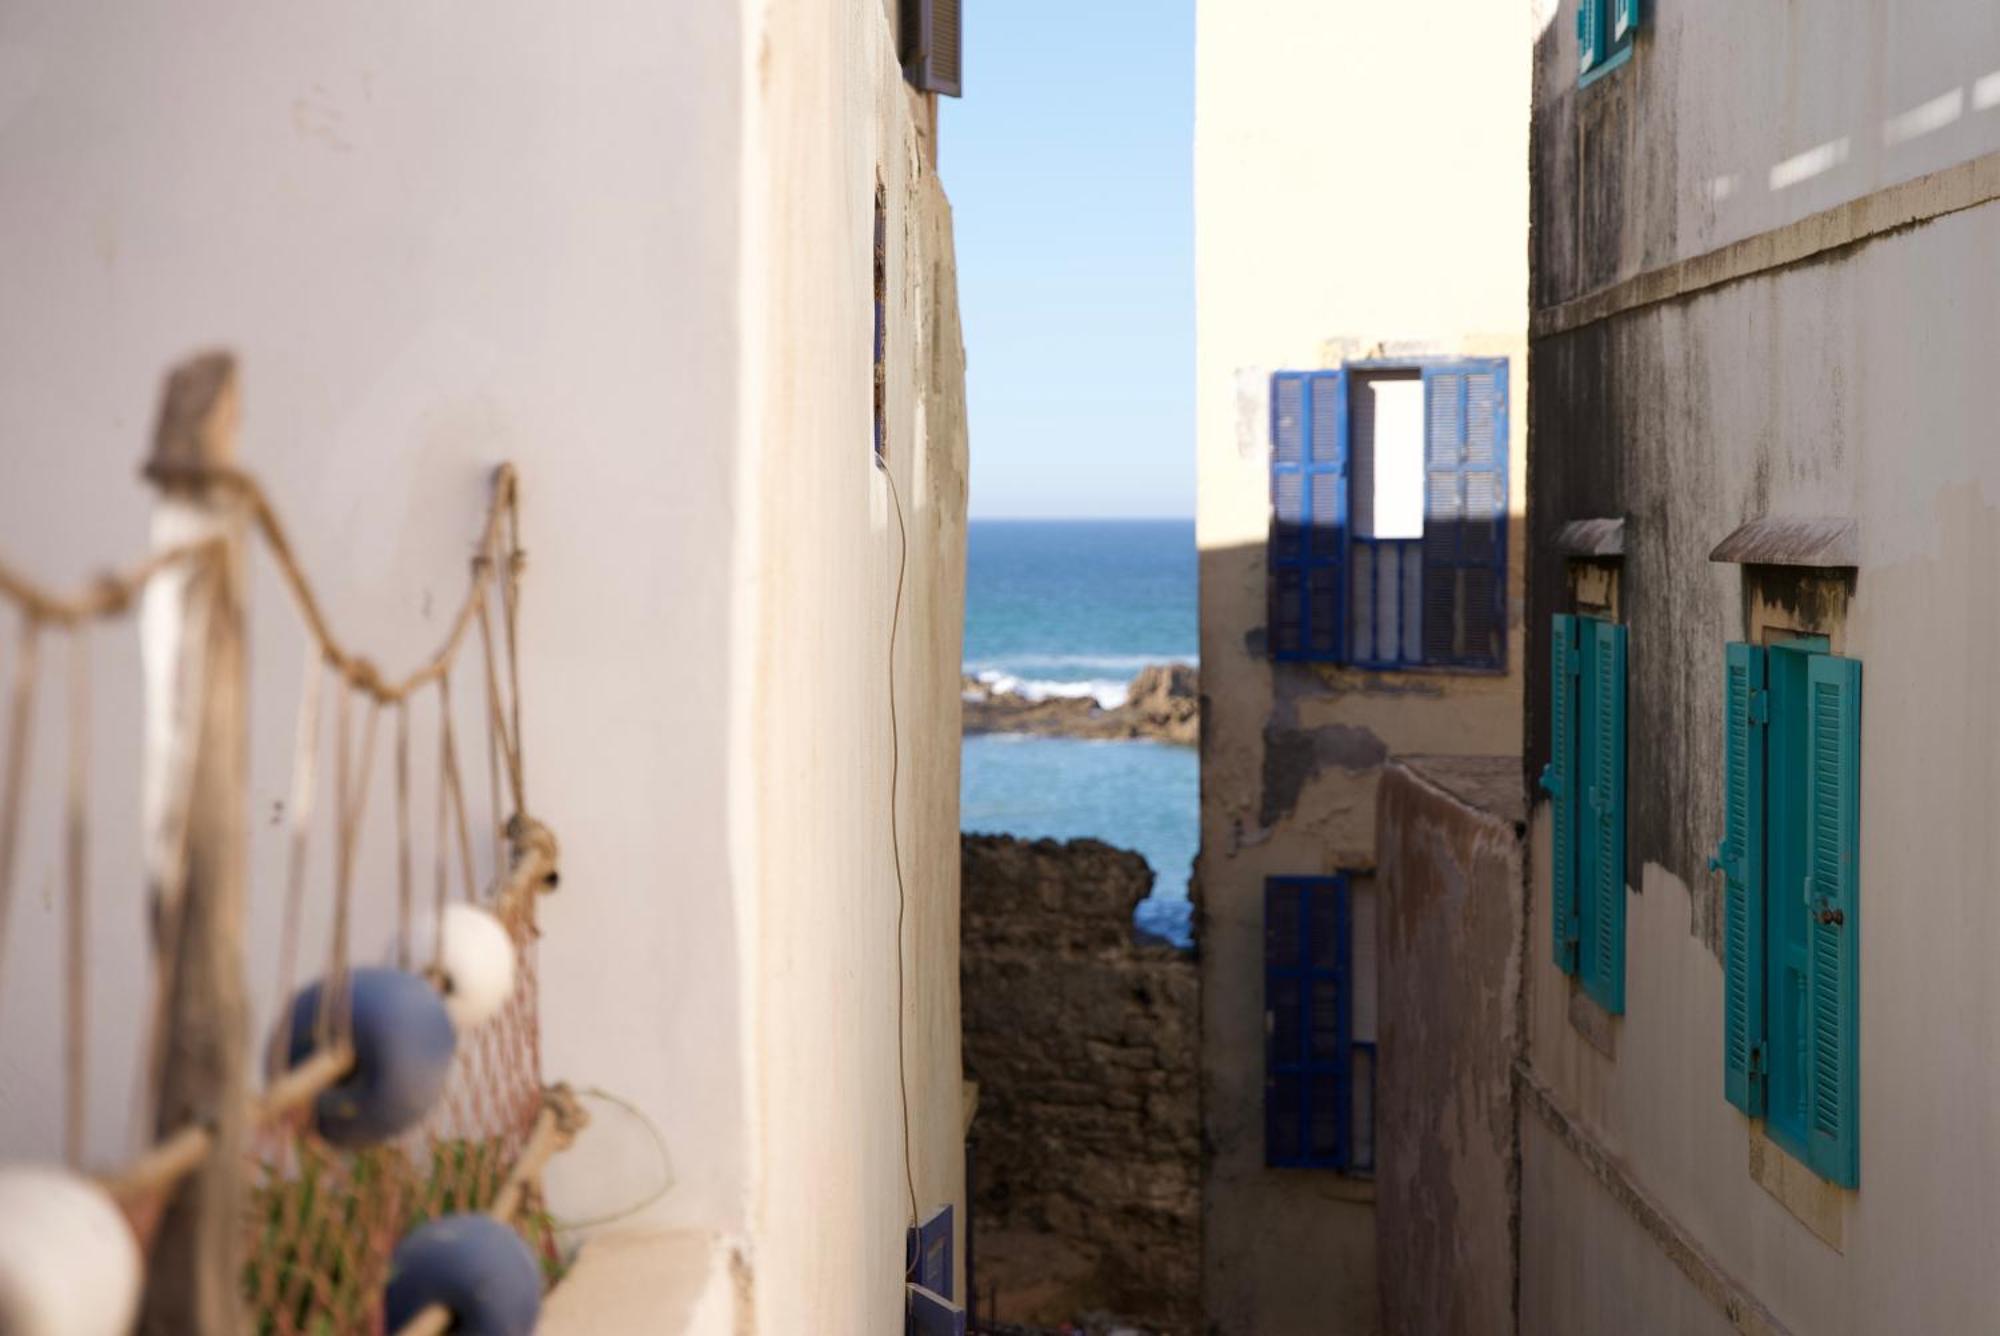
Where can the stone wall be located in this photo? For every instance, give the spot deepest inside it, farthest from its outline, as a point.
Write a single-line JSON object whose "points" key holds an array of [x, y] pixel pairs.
{"points": [[1084, 1046]]}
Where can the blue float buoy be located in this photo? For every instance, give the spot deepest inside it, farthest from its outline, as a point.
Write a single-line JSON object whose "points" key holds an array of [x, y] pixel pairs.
{"points": [[403, 1044], [473, 1265]]}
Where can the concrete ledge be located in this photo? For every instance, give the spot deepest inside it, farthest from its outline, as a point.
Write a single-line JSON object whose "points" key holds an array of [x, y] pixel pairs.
{"points": [[1965, 185], [1745, 1312], [678, 1283]]}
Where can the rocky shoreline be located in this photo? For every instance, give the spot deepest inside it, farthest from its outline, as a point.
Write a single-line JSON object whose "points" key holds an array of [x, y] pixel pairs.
{"points": [[1163, 704]]}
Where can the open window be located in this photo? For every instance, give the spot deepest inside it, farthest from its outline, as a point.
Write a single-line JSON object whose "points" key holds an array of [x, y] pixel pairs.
{"points": [[1388, 546]]}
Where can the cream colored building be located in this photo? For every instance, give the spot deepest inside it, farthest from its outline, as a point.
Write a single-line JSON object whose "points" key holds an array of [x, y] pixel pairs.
{"points": [[1765, 299], [631, 248], [1360, 204]]}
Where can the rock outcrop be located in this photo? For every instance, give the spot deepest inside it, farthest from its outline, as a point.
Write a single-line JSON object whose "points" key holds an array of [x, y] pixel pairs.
{"points": [[1083, 1041], [1163, 703]]}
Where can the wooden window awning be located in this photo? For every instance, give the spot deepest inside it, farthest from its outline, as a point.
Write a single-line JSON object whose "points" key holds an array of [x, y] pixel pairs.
{"points": [[1792, 540], [1591, 538]]}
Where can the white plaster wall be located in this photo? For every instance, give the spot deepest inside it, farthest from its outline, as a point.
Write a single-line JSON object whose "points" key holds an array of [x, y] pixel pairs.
{"points": [[437, 239], [1753, 116], [629, 250], [1359, 181], [833, 1186], [1858, 387]]}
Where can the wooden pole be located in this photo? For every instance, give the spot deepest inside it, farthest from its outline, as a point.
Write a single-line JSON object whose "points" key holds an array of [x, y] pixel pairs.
{"points": [[195, 800]]}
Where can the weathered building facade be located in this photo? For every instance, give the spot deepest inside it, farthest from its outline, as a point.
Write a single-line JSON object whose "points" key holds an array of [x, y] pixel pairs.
{"points": [[1361, 339], [1765, 284]]}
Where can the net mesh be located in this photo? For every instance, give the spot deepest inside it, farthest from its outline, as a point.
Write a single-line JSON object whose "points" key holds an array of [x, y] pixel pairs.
{"points": [[320, 1223], [323, 1222]]}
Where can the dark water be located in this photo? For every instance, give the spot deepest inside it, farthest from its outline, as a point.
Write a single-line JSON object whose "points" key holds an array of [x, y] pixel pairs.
{"points": [[1076, 607]]}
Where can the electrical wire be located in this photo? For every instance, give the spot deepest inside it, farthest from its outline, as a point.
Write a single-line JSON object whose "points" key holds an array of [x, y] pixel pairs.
{"points": [[896, 845]]}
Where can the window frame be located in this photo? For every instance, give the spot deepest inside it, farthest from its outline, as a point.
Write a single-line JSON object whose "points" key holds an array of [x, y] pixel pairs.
{"points": [[1300, 558], [1614, 49], [1331, 894]]}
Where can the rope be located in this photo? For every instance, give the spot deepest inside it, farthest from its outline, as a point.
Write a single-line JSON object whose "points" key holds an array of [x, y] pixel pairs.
{"points": [[494, 728], [305, 766], [109, 595], [19, 727], [359, 672], [335, 1010], [182, 1151], [403, 881], [457, 791], [76, 822], [169, 815]]}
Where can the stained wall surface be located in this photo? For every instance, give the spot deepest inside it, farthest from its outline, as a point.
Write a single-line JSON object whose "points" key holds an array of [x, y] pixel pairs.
{"points": [[1850, 383]]}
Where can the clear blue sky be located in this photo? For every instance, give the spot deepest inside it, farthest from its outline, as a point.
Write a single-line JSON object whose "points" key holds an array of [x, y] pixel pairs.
{"points": [[1069, 163]]}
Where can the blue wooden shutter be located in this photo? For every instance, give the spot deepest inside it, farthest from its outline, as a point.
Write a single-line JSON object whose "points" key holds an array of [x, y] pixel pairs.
{"points": [[1465, 513], [1559, 779], [1833, 821], [1326, 509], [1309, 529], [1307, 1022], [1286, 552], [1444, 508], [1589, 35], [1601, 769], [1624, 20], [931, 1252], [1741, 861], [1483, 553]]}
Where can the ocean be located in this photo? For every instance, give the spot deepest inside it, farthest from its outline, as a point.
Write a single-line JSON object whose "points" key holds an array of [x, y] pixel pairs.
{"points": [[1076, 607]]}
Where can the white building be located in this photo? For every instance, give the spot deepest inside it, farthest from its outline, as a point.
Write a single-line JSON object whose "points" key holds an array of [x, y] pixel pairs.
{"points": [[1762, 1055]]}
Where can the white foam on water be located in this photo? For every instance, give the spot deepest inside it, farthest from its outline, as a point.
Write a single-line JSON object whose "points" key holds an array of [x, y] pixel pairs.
{"points": [[1108, 694]]}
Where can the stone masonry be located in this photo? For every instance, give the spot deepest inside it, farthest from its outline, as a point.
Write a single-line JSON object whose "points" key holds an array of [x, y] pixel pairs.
{"points": [[1083, 1043]]}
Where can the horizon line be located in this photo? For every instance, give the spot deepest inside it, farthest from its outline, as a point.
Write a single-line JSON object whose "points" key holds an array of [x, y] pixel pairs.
{"points": [[1080, 519]]}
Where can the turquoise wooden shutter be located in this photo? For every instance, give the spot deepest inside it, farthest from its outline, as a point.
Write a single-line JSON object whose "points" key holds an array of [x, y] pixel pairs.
{"points": [[1624, 20], [1602, 770], [1589, 35], [1833, 822], [1285, 554], [1740, 858], [1559, 780]]}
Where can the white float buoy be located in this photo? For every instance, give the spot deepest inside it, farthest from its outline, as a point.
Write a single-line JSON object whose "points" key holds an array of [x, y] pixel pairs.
{"points": [[69, 1265], [476, 965]]}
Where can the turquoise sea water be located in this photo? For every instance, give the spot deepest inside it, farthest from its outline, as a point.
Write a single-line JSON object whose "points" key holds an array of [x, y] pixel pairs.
{"points": [[1075, 607]]}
